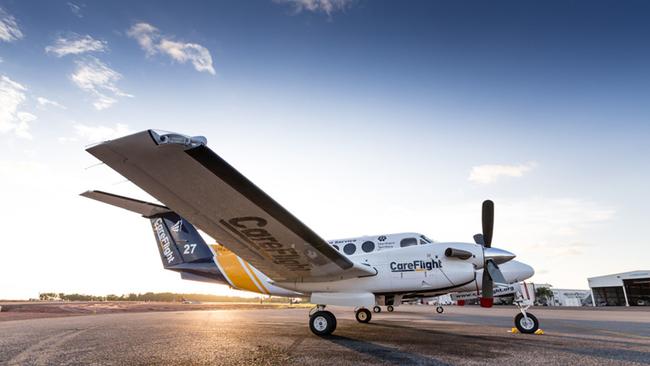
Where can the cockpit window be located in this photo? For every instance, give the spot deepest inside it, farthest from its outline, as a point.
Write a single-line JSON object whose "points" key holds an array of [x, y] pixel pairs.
{"points": [[336, 247], [407, 242], [349, 248], [425, 240], [368, 246]]}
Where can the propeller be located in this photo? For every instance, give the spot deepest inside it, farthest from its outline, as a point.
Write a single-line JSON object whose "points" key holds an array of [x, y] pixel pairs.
{"points": [[492, 256]]}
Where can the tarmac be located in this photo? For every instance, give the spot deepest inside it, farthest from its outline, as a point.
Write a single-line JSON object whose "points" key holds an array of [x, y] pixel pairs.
{"points": [[412, 335]]}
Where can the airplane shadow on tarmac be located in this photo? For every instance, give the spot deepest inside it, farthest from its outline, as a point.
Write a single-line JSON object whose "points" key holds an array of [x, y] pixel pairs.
{"points": [[391, 355]]}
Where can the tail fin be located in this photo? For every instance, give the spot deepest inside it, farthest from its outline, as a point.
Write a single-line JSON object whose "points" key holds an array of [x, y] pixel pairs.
{"points": [[179, 243]]}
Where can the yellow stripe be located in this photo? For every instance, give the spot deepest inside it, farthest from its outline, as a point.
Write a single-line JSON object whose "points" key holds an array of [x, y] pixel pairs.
{"points": [[250, 269], [235, 272]]}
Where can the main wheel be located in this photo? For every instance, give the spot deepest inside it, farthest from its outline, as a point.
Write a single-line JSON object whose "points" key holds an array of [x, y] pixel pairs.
{"points": [[440, 309], [376, 309], [363, 315], [390, 308], [524, 325], [322, 323]]}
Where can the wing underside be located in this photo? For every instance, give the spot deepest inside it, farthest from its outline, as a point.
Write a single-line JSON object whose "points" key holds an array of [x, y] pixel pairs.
{"points": [[189, 178]]}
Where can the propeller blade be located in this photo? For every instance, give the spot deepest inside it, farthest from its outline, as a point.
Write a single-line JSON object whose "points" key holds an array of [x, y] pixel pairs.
{"points": [[487, 219], [478, 239], [486, 290], [494, 272]]}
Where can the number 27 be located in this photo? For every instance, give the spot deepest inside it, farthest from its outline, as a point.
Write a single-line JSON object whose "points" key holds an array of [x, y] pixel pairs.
{"points": [[189, 248]]}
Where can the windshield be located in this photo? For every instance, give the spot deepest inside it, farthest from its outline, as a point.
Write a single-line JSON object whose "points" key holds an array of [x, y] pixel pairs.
{"points": [[425, 240]]}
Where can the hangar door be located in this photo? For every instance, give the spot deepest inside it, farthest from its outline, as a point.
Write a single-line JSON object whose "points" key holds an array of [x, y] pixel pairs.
{"points": [[638, 291], [609, 296]]}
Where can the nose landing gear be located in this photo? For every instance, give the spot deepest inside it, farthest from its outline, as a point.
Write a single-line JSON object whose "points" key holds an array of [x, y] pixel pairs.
{"points": [[525, 322]]}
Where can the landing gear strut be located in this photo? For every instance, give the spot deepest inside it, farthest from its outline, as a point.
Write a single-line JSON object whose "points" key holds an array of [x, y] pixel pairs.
{"points": [[321, 322], [363, 315], [524, 321]]}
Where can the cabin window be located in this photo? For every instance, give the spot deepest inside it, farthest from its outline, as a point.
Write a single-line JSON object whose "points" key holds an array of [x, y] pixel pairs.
{"points": [[349, 248], [336, 247], [368, 246], [407, 242]]}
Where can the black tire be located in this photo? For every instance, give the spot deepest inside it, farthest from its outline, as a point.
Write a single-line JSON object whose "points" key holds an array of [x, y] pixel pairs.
{"points": [[322, 323], [363, 315], [376, 309], [390, 308], [440, 309], [523, 326]]}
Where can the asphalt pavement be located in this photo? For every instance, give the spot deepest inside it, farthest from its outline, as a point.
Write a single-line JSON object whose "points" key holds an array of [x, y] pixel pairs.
{"points": [[411, 335]]}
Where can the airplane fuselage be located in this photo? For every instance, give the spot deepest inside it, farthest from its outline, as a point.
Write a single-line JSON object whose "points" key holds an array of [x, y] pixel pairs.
{"points": [[421, 270]]}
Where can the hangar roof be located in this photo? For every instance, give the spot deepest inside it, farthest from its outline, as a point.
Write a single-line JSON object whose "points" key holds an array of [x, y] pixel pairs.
{"points": [[616, 279]]}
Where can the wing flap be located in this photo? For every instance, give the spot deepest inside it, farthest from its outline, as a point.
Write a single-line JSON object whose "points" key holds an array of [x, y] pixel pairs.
{"points": [[195, 182]]}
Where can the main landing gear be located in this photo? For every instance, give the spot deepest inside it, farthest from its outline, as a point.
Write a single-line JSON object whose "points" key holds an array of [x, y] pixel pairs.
{"points": [[321, 322], [363, 315], [524, 321]]}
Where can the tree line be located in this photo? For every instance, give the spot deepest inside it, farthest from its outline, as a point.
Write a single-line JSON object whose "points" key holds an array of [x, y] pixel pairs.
{"points": [[155, 296]]}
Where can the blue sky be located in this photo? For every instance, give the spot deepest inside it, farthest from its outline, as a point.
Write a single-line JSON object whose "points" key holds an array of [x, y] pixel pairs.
{"points": [[360, 117]]}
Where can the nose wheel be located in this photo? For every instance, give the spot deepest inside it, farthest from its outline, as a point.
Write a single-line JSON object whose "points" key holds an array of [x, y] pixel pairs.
{"points": [[440, 309], [526, 323], [363, 315]]}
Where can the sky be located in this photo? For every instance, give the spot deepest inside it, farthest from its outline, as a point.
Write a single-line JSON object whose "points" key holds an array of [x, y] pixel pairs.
{"points": [[360, 117]]}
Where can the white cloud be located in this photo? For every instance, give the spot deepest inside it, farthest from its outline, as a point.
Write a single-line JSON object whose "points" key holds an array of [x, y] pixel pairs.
{"points": [[75, 44], [12, 95], [44, 102], [9, 30], [183, 52], [75, 9], [99, 133], [325, 6], [94, 77], [152, 42], [490, 173], [146, 35]]}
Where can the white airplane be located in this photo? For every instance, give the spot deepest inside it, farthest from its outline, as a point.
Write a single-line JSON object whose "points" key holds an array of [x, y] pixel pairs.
{"points": [[264, 248]]}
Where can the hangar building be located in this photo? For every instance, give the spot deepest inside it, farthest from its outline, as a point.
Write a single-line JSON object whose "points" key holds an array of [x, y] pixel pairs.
{"points": [[621, 289]]}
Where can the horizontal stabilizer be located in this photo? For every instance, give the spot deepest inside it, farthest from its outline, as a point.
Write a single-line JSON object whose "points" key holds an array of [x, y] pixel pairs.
{"points": [[143, 208]]}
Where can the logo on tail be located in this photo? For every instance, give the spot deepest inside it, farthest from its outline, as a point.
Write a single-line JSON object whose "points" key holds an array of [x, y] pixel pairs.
{"points": [[164, 240], [177, 226]]}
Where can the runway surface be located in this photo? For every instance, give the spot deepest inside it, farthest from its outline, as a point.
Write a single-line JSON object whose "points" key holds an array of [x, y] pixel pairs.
{"points": [[411, 335]]}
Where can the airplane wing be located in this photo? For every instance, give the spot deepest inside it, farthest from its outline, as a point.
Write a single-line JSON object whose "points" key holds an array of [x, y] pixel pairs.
{"points": [[189, 178]]}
